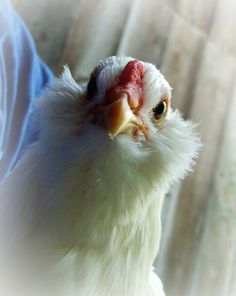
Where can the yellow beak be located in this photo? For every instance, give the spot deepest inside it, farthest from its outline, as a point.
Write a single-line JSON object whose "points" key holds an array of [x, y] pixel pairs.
{"points": [[120, 118]]}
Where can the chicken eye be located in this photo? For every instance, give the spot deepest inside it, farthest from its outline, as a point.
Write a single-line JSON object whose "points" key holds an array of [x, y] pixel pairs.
{"points": [[92, 87], [160, 110]]}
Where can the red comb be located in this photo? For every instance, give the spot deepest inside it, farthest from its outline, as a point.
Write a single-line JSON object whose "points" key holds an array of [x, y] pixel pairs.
{"points": [[130, 82], [132, 73]]}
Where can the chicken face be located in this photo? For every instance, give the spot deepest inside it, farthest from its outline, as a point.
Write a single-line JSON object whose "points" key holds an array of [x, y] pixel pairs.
{"points": [[119, 92]]}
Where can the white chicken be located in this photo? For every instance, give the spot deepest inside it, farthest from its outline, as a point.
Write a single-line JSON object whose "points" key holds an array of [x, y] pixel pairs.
{"points": [[81, 210]]}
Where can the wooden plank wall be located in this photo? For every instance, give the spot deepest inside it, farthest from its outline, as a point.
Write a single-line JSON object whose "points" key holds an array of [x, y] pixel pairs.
{"points": [[193, 44]]}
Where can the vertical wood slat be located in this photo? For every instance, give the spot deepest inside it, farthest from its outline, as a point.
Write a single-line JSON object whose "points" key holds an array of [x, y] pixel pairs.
{"points": [[198, 13], [95, 34], [215, 270], [146, 32], [222, 33]]}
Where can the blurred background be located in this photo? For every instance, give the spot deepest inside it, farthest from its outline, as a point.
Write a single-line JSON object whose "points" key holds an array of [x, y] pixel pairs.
{"points": [[193, 43]]}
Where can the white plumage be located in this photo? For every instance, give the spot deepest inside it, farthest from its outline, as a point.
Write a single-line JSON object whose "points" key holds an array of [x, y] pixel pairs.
{"points": [[80, 213]]}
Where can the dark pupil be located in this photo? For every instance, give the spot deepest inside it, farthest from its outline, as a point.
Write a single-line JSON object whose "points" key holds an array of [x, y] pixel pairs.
{"points": [[92, 86], [159, 109]]}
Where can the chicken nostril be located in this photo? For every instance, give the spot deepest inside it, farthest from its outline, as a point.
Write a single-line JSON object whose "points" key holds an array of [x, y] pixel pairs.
{"points": [[134, 102]]}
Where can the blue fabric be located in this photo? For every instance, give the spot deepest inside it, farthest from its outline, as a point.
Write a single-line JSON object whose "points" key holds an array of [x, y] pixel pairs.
{"points": [[22, 77]]}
